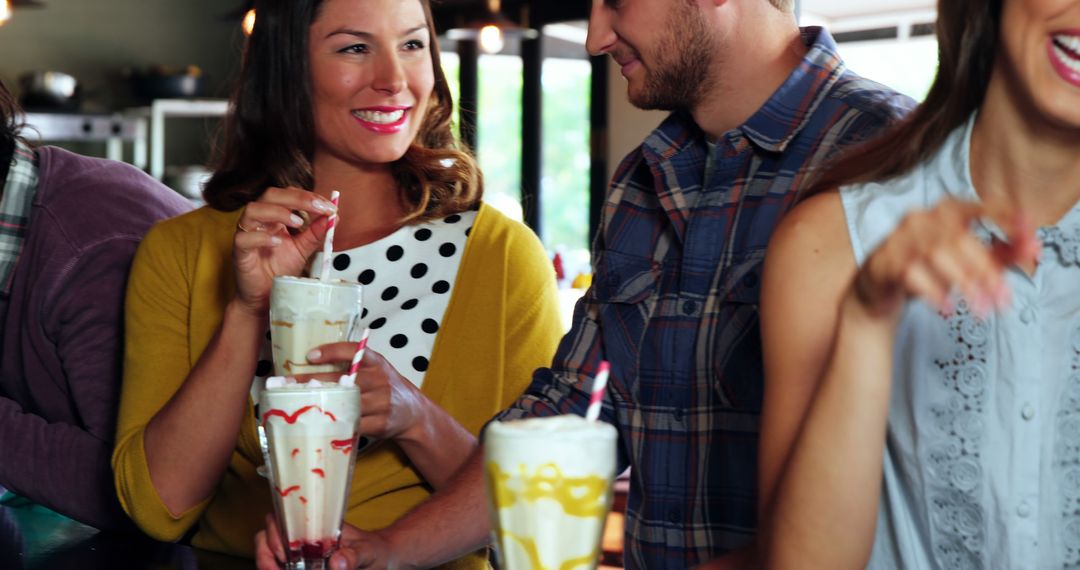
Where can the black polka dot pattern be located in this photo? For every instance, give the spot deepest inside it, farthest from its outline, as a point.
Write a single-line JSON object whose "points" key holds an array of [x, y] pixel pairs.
{"points": [[409, 278], [342, 261], [264, 368]]}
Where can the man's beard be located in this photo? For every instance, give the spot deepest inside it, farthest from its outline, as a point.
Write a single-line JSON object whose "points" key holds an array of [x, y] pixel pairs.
{"points": [[683, 64]]}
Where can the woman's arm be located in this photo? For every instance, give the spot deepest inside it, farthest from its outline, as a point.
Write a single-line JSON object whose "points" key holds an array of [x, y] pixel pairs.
{"points": [[807, 270], [823, 442], [178, 427]]}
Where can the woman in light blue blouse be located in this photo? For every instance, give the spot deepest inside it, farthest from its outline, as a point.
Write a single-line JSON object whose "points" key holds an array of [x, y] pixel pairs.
{"points": [[921, 321]]}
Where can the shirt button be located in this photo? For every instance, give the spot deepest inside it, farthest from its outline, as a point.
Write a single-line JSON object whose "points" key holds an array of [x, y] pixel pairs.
{"points": [[674, 516], [678, 415], [1024, 510], [689, 307], [1027, 316], [1027, 412]]}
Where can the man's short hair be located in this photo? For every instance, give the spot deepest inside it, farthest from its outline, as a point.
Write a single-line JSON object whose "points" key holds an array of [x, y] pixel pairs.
{"points": [[783, 5]]}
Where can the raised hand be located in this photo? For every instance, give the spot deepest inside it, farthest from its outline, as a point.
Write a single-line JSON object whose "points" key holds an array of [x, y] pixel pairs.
{"points": [[933, 254], [270, 240]]}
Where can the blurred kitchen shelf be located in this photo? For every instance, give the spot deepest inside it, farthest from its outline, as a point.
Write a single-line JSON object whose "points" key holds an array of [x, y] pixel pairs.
{"points": [[161, 109], [114, 130]]}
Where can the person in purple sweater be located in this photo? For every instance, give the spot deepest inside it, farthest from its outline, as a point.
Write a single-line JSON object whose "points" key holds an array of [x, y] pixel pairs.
{"points": [[69, 226]]}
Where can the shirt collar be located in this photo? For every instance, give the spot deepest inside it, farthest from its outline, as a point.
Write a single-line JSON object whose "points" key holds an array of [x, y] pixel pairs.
{"points": [[16, 201], [792, 105]]}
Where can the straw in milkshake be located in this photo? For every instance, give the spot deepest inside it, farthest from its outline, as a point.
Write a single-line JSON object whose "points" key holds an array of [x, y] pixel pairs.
{"points": [[328, 243], [350, 378], [598, 388]]}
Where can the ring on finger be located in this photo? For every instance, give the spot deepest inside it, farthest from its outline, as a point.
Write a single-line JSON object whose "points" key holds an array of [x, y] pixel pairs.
{"points": [[241, 227]]}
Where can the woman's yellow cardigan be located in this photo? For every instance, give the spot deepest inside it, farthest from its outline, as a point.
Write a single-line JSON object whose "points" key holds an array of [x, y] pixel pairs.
{"points": [[501, 323]]}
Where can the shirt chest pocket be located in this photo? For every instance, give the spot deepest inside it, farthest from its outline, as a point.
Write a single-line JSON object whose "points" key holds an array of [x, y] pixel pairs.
{"points": [[740, 281], [625, 291], [623, 279]]}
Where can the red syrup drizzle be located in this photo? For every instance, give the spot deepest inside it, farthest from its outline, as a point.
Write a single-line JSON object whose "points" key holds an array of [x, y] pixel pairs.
{"points": [[344, 445], [291, 418], [288, 490], [319, 472]]}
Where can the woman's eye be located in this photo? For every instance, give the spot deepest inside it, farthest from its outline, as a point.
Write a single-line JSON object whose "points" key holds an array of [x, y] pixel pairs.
{"points": [[356, 48], [414, 45]]}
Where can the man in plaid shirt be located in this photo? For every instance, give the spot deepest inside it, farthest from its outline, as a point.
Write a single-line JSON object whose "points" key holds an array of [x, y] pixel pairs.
{"points": [[758, 106]]}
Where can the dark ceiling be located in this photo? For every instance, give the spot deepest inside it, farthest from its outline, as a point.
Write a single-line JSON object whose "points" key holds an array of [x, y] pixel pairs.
{"points": [[534, 13]]}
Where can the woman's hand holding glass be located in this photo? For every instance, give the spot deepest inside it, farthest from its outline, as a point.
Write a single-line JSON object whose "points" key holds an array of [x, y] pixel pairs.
{"points": [[390, 404], [271, 240]]}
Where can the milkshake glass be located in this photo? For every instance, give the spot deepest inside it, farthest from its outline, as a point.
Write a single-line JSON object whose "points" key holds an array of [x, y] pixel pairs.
{"points": [[308, 433], [549, 490], [306, 313]]}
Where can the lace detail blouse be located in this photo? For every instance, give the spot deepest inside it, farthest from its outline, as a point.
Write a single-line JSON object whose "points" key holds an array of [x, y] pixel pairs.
{"points": [[982, 459]]}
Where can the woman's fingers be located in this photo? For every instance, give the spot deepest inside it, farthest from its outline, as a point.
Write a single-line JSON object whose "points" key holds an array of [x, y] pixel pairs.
{"points": [[297, 199], [933, 254], [267, 217], [274, 538], [335, 352]]}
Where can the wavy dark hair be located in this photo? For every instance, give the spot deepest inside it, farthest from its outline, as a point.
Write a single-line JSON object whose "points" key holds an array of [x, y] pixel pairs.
{"points": [[10, 122], [967, 32], [269, 136]]}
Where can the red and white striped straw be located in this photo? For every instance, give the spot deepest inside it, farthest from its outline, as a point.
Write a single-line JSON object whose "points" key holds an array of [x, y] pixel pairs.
{"points": [[350, 378], [328, 243], [598, 386]]}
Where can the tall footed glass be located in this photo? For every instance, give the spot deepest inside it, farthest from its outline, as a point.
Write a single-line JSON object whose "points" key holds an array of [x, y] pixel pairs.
{"points": [[308, 433], [549, 491]]}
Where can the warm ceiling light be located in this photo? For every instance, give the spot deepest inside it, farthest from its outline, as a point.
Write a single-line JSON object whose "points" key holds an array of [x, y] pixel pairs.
{"points": [[491, 39], [249, 22], [491, 30], [5, 11]]}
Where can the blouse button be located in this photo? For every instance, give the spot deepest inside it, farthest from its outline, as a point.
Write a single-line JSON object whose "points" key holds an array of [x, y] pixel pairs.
{"points": [[1027, 412], [1027, 316], [1024, 510]]}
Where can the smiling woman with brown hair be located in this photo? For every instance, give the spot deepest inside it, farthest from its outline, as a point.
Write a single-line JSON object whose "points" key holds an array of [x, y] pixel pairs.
{"points": [[340, 95]]}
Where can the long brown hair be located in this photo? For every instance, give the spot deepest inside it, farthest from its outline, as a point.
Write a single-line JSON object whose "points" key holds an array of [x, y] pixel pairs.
{"points": [[967, 32], [10, 123], [269, 137]]}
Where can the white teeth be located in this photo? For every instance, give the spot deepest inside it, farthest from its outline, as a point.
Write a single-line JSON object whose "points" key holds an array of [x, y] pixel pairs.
{"points": [[1067, 59], [380, 118], [1070, 42]]}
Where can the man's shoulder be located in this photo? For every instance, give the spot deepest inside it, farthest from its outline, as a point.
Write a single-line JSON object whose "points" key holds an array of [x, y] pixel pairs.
{"points": [[868, 97], [106, 188]]}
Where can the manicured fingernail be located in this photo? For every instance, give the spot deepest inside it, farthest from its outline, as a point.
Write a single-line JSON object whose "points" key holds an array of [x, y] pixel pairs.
{"points": [[314, 355], [274, 240], [322, 206], [339, 564], [296, 220]]}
